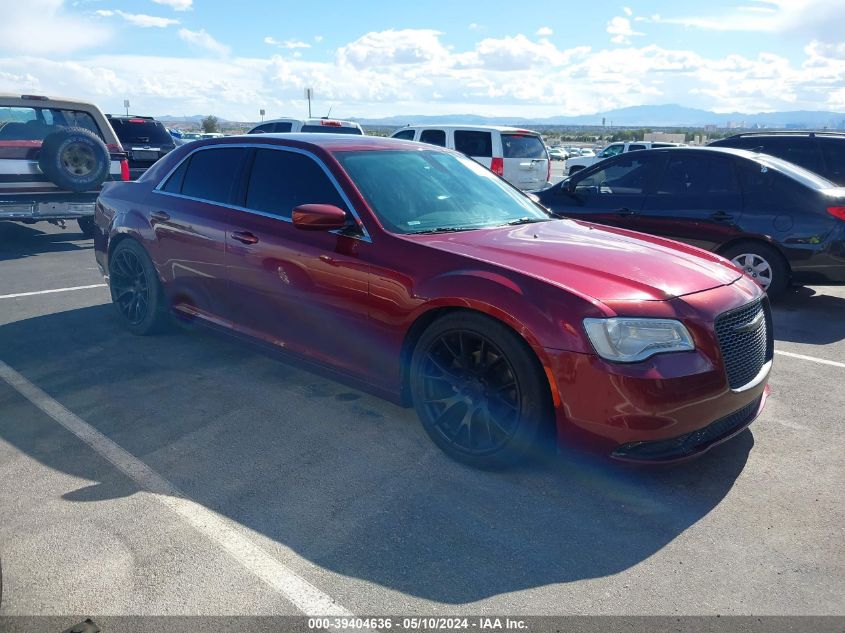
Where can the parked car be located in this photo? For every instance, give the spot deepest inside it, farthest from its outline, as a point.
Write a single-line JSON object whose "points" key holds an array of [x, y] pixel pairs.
{"points": [[820, 152], [54, 156], [422, 276], [588, 157], [144, 139], [558, 153], [191, 136], [325, 125], [519, 156], [776, 221]]}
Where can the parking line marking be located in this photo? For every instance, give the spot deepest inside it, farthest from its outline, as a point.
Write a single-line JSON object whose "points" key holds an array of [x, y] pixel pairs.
{"points": [[305, 596], [823, 361], [47, 292]]}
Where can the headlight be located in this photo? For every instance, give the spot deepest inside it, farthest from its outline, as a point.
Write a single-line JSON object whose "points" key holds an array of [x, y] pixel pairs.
{"points": [[626, 340]]}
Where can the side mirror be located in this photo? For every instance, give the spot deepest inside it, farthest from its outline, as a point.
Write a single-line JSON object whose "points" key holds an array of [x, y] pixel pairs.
{"points": [[567, 185], [318, 217]]}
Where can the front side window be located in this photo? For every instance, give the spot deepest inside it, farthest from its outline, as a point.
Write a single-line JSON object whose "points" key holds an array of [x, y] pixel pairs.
{"points": [[698, 176], [476, 144], [281, 181], [629, 176], [433, 137], [612, 150], [211, 174], [523, 146], [33, 124], [405, 135], [430, 191]]}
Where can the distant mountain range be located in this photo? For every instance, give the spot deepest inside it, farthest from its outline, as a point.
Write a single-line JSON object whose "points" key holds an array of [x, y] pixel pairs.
{"points": [[649, 115], [636, 116]]}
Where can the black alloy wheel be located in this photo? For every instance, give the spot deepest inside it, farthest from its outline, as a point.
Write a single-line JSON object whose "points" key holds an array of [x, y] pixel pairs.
{"points": [[135, 289], [478, 391]]}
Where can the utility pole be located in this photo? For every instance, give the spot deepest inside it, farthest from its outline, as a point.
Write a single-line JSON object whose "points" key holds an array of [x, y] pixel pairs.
{"points": [[126, 105], [309, 94], [261, 112]]}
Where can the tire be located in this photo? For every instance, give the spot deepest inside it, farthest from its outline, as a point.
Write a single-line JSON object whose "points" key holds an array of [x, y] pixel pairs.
{"points": [[763, 264], [74, 159], [136, 290], [479, 391], [87, 226]]}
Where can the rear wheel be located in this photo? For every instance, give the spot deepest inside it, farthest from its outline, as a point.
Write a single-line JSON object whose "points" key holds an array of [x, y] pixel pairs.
{"points": [[479, 390], [87, 226], [135, 289], [763, 264]]}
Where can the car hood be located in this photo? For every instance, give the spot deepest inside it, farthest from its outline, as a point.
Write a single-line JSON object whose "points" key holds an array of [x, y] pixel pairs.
{"points": [[601, 262]]}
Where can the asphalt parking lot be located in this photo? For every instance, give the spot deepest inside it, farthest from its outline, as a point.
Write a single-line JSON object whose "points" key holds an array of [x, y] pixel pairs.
{"points": [[273, 490]]}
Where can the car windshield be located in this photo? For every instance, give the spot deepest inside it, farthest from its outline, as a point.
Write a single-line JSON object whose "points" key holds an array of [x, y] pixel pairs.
{"points": [[419, 191], [143, 131]]}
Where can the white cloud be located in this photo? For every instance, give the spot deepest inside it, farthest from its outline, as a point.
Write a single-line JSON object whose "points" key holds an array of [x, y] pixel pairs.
{"points": [[138, 19], [43, 27], [176, 5], [545, 31], [628, 11], [621, 30], [203, 40], [816, 18], [318, 38], [382, 48], [474, 26], [288, 44], [388, 73]]}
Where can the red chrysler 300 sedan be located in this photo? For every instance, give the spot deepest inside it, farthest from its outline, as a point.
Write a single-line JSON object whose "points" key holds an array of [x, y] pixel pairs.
{"points": [[424, 277]]}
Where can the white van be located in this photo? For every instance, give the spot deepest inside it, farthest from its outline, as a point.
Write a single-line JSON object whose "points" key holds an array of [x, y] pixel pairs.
{"points": [[519, 156], [331, 126]]}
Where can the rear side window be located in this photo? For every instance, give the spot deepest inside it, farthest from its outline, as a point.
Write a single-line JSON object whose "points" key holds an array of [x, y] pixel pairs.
{"points": [[799, 150], [476, 144], [141, 132], [33, 124], [174, 183], [280, 127], [697, 176], [330, 129], [211, 174], [766, 188], [522, 146], [433, 137], [405, 135], [282, 180], [633, 148]]}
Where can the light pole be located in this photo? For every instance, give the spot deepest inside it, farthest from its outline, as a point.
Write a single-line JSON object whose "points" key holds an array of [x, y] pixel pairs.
{"points": [[126, 105], [261, 112], [309, 94]]}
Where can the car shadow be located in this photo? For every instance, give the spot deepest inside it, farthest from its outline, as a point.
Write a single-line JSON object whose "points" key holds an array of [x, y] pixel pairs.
{"points": [[804, 315], [24, 240], [342, 478]]}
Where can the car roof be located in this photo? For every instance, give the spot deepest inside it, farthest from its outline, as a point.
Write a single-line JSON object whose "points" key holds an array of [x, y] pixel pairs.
{"points": [[310, 121], [42, 101], [327, 141], [457, 126]]}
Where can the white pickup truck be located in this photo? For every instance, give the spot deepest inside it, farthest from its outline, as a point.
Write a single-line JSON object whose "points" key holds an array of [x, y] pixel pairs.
{"points": [[578, 163]]}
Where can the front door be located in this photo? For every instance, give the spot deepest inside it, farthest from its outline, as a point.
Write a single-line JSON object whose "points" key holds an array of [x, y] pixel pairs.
{"points": [[304, 291]]}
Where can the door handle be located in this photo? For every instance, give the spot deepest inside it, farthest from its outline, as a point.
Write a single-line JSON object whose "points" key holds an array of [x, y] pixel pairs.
{"points": [[161, 216], [721, 216], [624, 211], [331, 261], [245, 237]]}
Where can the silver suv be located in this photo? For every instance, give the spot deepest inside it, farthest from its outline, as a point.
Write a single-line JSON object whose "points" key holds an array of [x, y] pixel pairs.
{"points": [[55, 155]]}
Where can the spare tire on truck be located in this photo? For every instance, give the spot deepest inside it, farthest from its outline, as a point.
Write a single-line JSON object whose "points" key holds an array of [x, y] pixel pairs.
{"points": [[74, 159]]}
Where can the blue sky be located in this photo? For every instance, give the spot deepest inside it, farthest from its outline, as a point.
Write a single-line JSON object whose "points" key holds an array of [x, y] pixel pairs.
{"points": [[427, 57]]}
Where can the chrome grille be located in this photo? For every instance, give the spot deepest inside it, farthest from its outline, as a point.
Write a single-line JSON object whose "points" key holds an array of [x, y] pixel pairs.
{"points": [[745, 340]]}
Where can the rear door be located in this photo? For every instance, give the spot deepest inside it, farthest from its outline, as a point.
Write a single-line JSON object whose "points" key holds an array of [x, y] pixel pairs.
{"points": [[526, 161], [697, 200], [190, 214], [305, 291], [477, 144]]}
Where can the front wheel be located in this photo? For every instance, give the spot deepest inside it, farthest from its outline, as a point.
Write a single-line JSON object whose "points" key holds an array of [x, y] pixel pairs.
{"points": [[479, 391], [135, 289], [763, 264]]}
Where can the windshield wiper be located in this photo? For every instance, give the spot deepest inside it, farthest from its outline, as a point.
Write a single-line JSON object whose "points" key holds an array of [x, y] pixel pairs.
{"points": [[525, 220], [444, 229]]}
